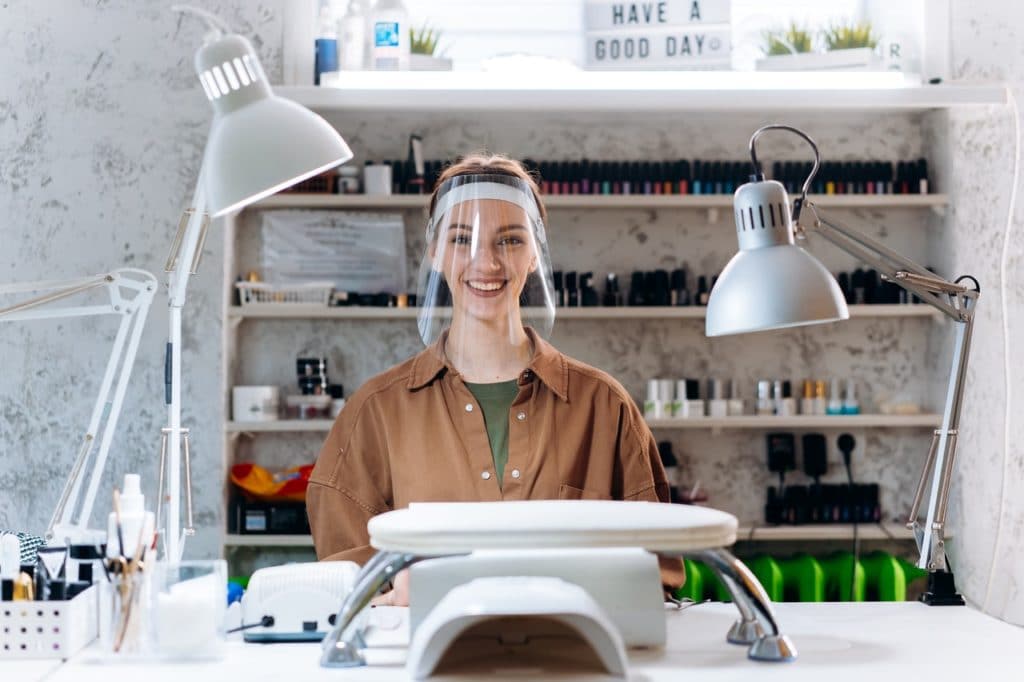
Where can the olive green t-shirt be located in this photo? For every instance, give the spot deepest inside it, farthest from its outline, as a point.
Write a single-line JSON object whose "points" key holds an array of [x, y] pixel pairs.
{"points": [[495, 401]]}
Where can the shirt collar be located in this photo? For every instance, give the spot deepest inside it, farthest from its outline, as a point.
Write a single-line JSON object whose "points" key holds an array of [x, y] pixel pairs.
{"points": [[548, 364]]}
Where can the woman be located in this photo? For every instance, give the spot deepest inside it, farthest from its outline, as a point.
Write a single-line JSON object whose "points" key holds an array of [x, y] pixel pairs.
{"points": [[490, 410]]}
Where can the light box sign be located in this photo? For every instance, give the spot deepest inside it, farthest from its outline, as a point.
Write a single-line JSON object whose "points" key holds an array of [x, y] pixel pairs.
{"points": [[674, 34]]}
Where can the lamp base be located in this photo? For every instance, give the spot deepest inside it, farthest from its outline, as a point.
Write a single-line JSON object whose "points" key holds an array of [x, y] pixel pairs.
{"points": [[941, 590]]}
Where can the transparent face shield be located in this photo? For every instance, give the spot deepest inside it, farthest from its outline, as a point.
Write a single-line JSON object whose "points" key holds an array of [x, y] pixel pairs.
{"points": [[486, 272]]}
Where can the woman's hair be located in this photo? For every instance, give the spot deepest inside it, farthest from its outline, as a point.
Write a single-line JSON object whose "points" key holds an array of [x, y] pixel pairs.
{"points": [[496, 164]]}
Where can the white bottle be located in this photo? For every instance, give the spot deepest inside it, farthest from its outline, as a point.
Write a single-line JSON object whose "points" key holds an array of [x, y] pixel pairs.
{"points": [[389, 36], [352, 38], [136, 523]]}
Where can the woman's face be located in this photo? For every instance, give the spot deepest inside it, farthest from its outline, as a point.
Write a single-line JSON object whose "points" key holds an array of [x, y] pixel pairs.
{"points": [[486, 251]]}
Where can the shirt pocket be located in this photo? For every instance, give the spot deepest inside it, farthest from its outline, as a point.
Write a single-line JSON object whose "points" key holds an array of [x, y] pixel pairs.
{"points": [[568, 492]]}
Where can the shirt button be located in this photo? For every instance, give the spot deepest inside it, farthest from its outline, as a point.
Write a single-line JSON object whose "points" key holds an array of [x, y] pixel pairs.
{"points": [[469, 407], [515, 473], [521, 416], [485, 475]]}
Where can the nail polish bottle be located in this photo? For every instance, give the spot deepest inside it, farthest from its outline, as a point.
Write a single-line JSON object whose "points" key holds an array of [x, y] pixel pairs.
{"points": [[612, 297], [606, 177], [765, 406], [566, 171], [680, 294], [688, 391], [653, 407], [572, 292], [544, 169], [844, 286], [661, 294], [585, 176], [835, 403], [787, 406], [777, 171], [559, 283], [702, 290], [873, 288], [922, 176], [858, 286], [735, 406], [684, 177], [777, 396], [807, 397], [850, 403], [718, 405], [588, 294], [636, 289], [820, 404], [696, 187], [575, 174]]}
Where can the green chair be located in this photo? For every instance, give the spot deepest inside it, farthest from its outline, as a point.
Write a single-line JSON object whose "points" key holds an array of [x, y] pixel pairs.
{"points": [[769, 574], [842, 581], [803, 579]]}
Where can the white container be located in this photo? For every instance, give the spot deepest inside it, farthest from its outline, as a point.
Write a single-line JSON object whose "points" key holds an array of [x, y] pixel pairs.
{"points": [[654, 408], [389, 36], [51, 629], [426, 62], [377, 179], [352, 39], [856, 59], [255, 403], [137, 524]]}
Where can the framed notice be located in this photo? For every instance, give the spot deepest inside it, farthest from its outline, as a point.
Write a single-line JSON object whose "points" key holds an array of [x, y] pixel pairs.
{"points": [[362, 252], [673, 34]]}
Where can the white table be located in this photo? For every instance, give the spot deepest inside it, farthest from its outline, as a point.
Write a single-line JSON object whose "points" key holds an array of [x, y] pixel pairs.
{"points": [[837, 642]]}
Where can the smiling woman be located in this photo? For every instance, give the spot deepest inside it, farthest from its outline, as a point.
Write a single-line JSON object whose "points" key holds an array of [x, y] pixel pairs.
{"points": [[490, 410]]}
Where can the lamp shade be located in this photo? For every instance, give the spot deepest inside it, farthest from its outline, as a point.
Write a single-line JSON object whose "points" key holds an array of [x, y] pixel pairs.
{"points": [[771, 283], [259, 143]]}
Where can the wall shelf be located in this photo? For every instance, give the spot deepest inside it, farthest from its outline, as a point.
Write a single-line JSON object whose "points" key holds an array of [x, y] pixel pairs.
{"points": [[599, 201], [647, 91], [861, 421], [275, 311], [745, 533]]}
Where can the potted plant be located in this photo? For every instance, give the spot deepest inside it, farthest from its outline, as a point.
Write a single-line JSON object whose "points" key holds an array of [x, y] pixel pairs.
{"points": [[848, 47], [422, 48]]}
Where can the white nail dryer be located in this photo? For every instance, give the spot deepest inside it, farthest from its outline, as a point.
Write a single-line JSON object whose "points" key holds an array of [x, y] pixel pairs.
{"points": [[302, 599], [624, 582], [530, 625]]}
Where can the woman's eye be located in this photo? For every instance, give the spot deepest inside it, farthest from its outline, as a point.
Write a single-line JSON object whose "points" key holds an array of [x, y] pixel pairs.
{"points": [[510, 241], [460, 239]]}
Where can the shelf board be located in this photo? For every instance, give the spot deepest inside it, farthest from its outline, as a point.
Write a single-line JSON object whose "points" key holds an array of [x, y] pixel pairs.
{"points": [[849, 421], [599, 201], [912, 421], [822, 532], [300, 311], [745, 533], [648, 91]]}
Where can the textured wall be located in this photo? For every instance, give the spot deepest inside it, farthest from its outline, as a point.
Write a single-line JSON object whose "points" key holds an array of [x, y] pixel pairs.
{"points": [[102, 125], [988, 503]]}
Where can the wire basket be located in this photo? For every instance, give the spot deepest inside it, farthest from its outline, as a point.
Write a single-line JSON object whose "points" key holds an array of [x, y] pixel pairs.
{"points": [[308, 293], [325, 183]]}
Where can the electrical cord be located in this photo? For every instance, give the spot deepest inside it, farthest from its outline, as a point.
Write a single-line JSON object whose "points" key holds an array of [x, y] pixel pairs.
{"points": [[265, 622], [846, 444], [1007, 383]]}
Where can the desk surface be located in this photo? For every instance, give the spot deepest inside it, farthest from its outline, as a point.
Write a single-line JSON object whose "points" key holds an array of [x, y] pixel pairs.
{"points": [[841, 641]]}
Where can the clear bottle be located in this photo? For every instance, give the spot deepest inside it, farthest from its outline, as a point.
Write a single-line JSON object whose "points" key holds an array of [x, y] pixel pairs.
{"points": [[136, 532], [352, 38], [389, 36]]}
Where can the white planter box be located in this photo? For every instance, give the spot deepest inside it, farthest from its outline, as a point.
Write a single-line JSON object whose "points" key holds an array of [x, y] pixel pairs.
{"points": [[423, 62], [857, 59]]}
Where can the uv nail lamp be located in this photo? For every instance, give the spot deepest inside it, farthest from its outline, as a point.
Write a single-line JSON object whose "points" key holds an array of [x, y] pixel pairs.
{"points": [[490, 625], [298, 597], [430, 531], [625, 583]]}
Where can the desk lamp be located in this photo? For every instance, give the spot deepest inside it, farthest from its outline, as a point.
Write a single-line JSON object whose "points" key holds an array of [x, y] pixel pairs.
{"points": [[259, 144], [772, 283]]}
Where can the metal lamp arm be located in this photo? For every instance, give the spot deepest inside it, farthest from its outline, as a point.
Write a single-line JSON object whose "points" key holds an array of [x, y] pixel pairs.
{"points": [[956, 301]]}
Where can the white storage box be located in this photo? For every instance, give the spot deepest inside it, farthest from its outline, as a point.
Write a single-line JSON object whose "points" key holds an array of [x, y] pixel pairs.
{"points": [[48, 629], [309, 293]]}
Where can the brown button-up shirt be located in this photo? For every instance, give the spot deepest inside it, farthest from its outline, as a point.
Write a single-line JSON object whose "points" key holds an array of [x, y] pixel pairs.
{"points": [[415, 433]]}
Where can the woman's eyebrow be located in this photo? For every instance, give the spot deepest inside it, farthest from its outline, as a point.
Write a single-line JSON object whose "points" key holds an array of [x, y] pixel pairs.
{"points": [[460, 226], [512, 227]]}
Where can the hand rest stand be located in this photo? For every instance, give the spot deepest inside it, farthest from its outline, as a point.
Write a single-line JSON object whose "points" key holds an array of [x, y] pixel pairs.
{"points": [[426, 531]]}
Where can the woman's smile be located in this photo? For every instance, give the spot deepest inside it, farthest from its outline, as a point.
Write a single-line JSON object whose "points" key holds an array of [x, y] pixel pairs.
{"points": [[486, 288]]}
